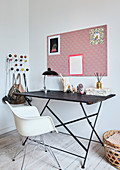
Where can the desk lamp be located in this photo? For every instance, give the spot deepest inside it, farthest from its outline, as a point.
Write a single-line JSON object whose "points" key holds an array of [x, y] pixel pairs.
{"points": [[48, 72]]}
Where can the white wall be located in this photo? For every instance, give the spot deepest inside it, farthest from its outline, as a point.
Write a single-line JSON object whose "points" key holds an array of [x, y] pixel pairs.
{"points": [[52, 17], [14, 38]]}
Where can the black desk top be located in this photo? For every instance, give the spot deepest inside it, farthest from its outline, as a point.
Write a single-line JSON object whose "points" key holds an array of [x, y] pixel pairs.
{"points": [[73, 97]]}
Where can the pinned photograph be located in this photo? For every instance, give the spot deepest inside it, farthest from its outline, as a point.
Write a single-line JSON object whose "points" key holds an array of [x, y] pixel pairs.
{"points": [[54, 45], [96, 36], [76, 65]]}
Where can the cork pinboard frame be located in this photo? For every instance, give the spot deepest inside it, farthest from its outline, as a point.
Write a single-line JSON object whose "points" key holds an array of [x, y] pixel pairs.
{"points": [[90, 42]]}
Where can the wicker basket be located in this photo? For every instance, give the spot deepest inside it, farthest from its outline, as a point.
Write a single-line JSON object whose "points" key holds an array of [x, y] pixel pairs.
{"points": [[112, 151]]}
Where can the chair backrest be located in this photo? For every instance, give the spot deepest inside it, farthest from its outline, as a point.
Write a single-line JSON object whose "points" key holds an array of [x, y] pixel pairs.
{"points": [[24, 111], [28, 121], [9, 106]]}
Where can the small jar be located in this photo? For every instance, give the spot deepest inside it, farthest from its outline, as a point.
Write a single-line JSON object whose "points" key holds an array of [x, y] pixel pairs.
{"points": [[99, 85]]}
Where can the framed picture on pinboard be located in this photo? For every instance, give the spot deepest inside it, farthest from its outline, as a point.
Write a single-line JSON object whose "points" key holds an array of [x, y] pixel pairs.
{"points": [[76, 65], [54, 45]]}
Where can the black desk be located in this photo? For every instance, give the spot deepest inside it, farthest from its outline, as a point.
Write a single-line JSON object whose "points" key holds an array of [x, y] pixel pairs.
{"points": [[88, 99]]}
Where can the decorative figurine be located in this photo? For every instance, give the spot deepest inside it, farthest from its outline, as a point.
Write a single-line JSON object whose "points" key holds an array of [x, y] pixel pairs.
{"points": [[65, 82], [68, 90], [73, 89], [80, 89]]}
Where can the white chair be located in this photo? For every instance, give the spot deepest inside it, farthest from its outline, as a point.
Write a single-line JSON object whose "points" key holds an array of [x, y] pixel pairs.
{"points": [[29, 123]]}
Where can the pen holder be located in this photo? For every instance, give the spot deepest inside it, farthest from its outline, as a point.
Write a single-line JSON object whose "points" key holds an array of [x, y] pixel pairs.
{"points": [[99, 85]]}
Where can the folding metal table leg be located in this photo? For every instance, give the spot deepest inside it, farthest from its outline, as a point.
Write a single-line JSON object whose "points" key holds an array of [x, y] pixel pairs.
{"points": [[83, 166], [67, 129], [93, 128], [87, 117], [44, 107]]}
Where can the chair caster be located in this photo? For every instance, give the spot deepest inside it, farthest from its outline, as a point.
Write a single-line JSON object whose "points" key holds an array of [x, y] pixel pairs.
{"points": [[13, 159]]}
